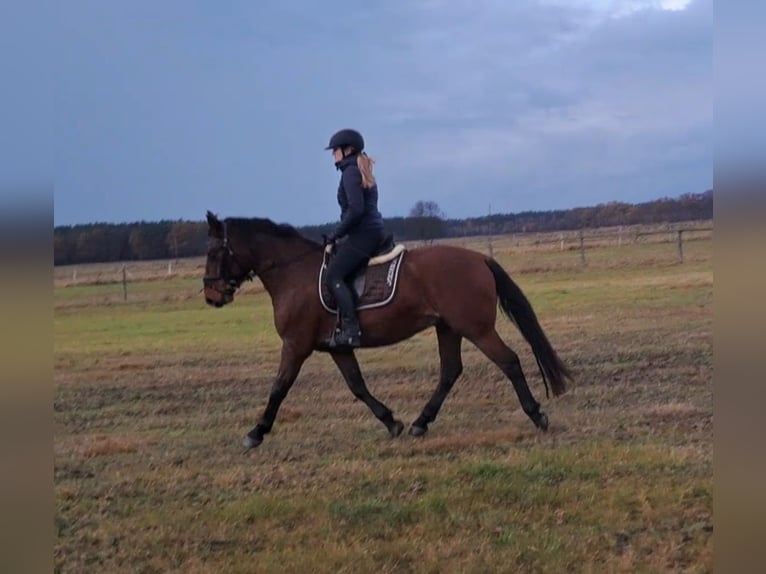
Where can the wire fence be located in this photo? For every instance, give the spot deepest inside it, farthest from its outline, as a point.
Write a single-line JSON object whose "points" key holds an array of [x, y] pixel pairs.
{"points": [[560, 249]]}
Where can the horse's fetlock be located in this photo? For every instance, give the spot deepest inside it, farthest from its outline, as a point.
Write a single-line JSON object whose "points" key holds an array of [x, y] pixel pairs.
{"points": [[532, 410]]}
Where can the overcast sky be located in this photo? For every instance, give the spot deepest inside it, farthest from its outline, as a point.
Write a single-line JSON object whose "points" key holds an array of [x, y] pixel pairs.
{"points": [[162, 110]]}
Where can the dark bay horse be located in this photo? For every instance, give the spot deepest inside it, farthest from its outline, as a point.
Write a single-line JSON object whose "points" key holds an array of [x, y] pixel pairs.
{"points": [[453, 289]]}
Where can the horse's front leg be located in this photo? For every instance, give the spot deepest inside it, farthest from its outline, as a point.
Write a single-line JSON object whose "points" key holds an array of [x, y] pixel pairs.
{"points": [[290, 365], [349, 367]]}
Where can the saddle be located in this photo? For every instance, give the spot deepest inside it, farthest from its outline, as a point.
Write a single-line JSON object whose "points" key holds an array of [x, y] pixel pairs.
{"points": [[373, 285]]}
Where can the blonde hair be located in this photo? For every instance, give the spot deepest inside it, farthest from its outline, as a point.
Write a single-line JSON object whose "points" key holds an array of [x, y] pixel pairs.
{"points": [[365, 163]]}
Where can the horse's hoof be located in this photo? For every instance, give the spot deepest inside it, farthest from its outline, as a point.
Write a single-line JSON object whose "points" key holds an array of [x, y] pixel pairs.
{"points": [[418, 431], [396, 429], [542, 422], [249, 442]]}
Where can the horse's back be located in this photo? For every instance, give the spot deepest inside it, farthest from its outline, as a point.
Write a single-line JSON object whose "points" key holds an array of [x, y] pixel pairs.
{"points": [[449, 266], [450, 255]]}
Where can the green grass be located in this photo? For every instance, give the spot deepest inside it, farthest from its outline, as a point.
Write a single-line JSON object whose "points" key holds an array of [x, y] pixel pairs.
{"points": [[153, 395]]}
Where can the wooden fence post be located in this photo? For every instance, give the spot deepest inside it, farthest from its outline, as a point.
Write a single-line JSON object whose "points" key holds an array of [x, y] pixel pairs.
{"points": [[124, 284], [582, 249], [489, 228], [680, 246]]}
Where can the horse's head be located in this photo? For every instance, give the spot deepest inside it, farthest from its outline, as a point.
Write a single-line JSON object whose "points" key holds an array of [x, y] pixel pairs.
{"points": [[224, 273]]}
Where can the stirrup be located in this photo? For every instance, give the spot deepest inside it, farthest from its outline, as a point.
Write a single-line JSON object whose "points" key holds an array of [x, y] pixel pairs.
{"points": [[346, 336]]}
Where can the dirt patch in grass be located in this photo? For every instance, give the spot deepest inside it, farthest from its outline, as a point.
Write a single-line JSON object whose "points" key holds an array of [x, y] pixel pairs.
{"points": [[109, 445]]}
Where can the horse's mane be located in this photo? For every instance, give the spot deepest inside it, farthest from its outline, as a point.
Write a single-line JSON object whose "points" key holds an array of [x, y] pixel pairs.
{"points": [[256, 225]]}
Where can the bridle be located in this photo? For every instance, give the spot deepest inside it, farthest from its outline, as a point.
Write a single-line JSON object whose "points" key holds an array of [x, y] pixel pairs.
{"points": [[234, 283]]}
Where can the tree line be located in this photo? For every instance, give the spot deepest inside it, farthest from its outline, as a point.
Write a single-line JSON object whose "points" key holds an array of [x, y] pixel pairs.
{"points": [[104, 242]]}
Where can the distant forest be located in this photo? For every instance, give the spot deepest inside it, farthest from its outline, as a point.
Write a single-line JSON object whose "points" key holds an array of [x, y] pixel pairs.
{"points": [[104, 242]]}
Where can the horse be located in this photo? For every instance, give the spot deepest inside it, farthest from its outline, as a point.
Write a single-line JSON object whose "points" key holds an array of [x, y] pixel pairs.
{"points": [[455, 290]]}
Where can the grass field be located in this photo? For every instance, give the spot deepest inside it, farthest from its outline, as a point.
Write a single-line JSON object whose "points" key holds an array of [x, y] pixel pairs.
{"points": [[153, 395]]}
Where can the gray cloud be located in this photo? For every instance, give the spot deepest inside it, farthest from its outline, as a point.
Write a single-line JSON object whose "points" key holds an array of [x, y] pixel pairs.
{"points": [[584, 113], [166, 110]]}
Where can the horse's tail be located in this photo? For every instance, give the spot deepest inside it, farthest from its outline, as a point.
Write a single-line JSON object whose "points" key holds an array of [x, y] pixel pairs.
{"points": [[517, 308]]}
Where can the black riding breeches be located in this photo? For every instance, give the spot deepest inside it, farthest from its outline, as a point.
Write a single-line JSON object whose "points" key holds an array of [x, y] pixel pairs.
{"points": [[349, 256]]}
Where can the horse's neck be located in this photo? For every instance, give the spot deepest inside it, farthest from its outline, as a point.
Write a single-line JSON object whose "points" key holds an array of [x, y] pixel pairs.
{"points": [[285, 263]]}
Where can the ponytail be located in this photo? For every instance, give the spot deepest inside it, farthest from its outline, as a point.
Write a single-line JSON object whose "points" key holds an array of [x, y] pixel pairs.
{"points": [[365, 163]]}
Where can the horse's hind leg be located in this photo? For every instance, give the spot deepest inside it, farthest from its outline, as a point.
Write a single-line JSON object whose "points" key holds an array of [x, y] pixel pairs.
{"points": [[451, 367], [493, 346], [349, 367]]}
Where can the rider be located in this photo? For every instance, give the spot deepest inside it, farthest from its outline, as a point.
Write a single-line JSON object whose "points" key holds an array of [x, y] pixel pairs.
{"points": [[360, 229]]}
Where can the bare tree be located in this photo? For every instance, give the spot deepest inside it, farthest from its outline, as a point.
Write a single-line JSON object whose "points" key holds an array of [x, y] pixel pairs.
{"points": [[426, 209], [428, 219]]}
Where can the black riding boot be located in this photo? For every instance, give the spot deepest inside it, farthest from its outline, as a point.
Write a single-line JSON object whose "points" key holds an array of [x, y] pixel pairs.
{"points": [[349, 334]]}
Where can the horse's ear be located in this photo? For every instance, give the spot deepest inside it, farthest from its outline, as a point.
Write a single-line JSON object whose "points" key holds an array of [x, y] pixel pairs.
{"points": [[215, 227]]}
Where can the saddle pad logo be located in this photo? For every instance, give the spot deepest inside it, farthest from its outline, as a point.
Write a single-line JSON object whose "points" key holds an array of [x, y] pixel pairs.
{"points": [[391, 271]]}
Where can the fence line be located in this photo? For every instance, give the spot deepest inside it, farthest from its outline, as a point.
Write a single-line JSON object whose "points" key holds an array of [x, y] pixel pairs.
{"points": [[600, 239], [581, 240]]}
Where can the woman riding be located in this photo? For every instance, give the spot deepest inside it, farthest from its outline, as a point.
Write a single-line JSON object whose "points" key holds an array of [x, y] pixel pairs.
{"points": [[359, 232]]}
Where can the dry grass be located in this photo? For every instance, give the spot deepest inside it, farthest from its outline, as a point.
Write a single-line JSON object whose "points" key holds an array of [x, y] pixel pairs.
{"points": [[109, 445], [154, 394], [674, 411]]}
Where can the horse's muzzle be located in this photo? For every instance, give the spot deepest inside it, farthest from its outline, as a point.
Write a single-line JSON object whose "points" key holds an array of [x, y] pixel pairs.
{"points": [[218, 298]]}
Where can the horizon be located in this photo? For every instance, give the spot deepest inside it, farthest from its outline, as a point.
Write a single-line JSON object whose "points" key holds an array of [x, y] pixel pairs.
{"points": [[447, 218]]}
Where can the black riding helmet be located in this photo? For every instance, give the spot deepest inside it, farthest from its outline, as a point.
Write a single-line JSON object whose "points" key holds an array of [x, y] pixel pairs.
{"points": [[345, 138]]}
